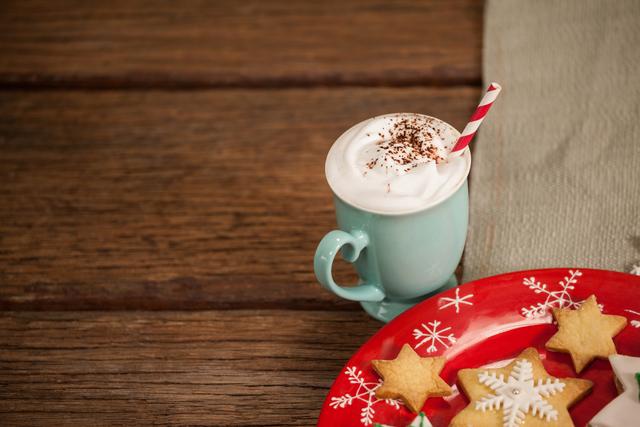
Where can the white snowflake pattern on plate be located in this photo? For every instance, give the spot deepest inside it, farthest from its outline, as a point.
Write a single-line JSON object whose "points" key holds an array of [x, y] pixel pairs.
{"points": [[635, 322], [560, 298], [365, 394], [456, 302], [519, 395], [431, 334]]}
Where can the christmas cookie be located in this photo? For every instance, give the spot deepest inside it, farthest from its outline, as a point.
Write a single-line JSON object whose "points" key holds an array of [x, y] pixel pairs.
{"points": [[585, 333], [411, 378], [420, 421], [624, 410], [522, 394]]}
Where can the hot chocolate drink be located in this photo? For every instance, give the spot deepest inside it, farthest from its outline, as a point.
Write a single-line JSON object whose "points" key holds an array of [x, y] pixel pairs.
{"points": [[396, 164]]}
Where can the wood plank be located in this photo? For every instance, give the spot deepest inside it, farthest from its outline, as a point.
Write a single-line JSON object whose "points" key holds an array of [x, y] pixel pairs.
{"points": [[177, 200], [187, 368], [196, 43]]}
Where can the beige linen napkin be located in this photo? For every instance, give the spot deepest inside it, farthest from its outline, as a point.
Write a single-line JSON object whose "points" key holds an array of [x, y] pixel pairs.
{"points": [[555, 180]]}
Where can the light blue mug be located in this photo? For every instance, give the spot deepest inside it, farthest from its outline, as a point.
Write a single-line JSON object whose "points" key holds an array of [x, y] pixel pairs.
{"points": [[401, 259]]}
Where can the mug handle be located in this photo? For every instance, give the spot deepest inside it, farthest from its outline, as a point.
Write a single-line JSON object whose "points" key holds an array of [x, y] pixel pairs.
{"points": [[327, 250]]}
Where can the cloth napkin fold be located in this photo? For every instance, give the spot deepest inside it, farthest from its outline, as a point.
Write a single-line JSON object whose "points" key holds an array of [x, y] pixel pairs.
{"points": [[555, 180]]}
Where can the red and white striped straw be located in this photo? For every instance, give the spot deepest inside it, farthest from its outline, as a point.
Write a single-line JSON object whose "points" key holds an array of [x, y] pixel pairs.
{"points": [[476, 119]]}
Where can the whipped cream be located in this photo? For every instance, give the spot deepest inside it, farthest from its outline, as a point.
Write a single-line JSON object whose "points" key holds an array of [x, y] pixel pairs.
{"points": [[396, 163]]}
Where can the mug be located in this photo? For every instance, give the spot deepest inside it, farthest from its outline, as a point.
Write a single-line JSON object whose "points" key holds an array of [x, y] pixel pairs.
{"points": [[401, 259]]}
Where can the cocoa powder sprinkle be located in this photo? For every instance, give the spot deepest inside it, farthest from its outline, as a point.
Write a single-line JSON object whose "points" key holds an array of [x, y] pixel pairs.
{"points": [[410, 141]]}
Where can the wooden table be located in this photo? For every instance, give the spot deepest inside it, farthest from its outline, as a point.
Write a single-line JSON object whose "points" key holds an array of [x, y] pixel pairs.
{"points": [[162, 194]]}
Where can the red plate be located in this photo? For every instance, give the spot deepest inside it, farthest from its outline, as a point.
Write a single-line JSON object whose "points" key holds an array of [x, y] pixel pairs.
{"points": [[481, 323]]}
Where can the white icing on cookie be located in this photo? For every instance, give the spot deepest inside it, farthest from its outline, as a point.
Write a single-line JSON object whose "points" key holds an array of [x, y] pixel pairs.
{"points": [[519, 395]]}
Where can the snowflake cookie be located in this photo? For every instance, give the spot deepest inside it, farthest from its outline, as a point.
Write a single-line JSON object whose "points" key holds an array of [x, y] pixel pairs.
{"points": [[585, 333], [624, 410], [522, 394], [411, 378]]}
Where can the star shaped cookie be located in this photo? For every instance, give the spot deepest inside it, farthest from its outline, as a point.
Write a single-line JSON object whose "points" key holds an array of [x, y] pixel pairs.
{"points": [[624, 410], [522, 394], [585, 333], [411, 378]]}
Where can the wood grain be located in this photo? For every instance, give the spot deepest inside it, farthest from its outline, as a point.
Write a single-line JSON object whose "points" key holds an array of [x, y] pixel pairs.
{"points": [[177, 200], [156, 368], [198, 43]]}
